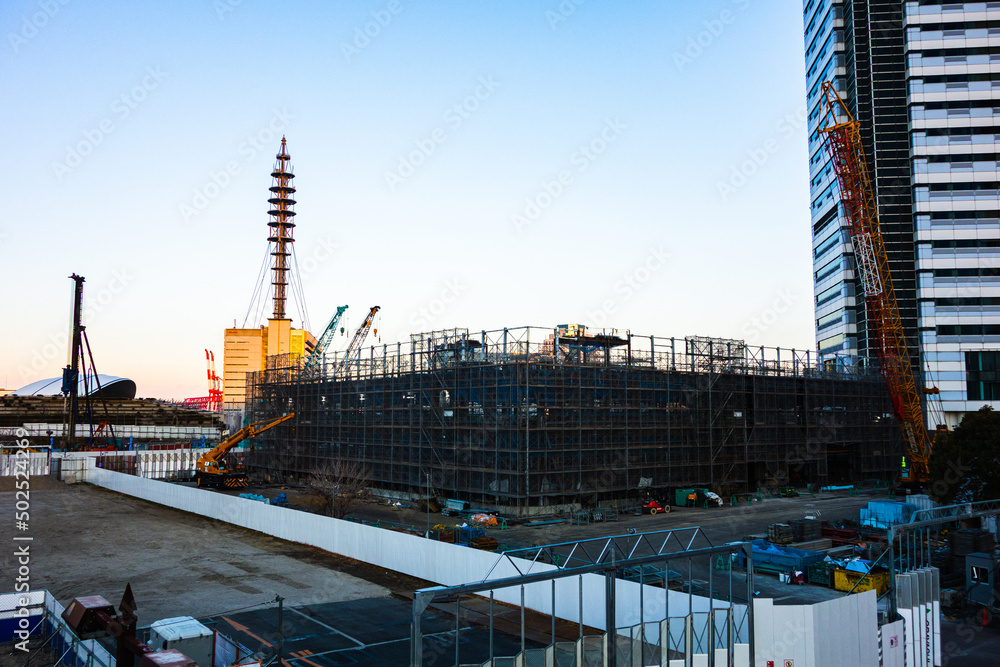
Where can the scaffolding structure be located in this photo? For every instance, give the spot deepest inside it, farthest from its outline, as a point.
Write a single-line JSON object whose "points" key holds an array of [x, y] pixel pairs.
{"points": [[529, 416]]}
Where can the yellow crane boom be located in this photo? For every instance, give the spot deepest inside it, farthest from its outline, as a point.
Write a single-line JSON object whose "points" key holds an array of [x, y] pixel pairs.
{"points": [[211, 466]]}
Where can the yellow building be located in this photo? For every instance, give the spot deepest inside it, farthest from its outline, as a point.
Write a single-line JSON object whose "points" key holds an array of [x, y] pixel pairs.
{"points": [[247, 350]]}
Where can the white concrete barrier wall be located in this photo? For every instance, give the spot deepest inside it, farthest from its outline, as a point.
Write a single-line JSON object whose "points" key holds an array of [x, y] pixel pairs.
{"points": [[838, 632], [439, 562], [892, 646], [918, 601]]}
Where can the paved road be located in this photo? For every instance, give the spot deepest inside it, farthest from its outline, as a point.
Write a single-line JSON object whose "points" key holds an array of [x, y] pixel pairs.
{"points": [[366, 633], [719, 525], [967, 643]]}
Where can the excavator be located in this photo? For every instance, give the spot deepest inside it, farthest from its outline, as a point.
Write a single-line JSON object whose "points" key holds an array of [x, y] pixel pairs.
{"points": [[212, 469]]}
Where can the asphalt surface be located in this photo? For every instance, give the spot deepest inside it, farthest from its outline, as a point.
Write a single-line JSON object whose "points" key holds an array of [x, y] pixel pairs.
{"points": [[363, 633], [718, 526], [968, 643]]}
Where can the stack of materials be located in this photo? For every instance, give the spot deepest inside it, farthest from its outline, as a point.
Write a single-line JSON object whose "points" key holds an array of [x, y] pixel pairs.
{"points": [[969, 541], [780, 533], [805, 530], [840, 536]]}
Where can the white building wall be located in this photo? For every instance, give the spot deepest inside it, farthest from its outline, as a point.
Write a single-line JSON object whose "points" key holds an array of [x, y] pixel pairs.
{"points": [[954, 148]]}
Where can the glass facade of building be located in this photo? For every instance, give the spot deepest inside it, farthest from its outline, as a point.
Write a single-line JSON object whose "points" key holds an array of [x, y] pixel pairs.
{"points": [[923, 78]]}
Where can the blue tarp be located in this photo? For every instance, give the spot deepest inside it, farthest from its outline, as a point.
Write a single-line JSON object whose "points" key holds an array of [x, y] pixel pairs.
{"points": [[885, 513], [799, 559], [859, 565]]}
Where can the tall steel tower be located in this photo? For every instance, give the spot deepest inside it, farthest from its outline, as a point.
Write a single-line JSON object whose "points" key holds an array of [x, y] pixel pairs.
{"points": [[281, 225]]}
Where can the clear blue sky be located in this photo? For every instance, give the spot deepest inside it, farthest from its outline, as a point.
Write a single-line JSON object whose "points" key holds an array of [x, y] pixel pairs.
{"points": [[470, 164]]}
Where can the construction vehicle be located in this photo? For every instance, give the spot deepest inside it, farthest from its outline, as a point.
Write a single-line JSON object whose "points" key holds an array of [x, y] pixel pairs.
{"points": [[316, 356], [843, 141], [212, 468], [650, 506], [359, 337]]}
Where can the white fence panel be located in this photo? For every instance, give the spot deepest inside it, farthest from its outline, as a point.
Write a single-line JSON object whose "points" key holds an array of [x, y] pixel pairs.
{"points": [[891, 641], [37, 464]]}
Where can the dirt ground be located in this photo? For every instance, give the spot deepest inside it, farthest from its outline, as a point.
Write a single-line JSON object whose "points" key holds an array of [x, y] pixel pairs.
{"points": [[89, 541]]}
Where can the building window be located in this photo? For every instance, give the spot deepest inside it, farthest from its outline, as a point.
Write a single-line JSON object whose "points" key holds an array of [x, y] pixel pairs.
{"points": [[831, 343], [982, 382], [968, 330]]}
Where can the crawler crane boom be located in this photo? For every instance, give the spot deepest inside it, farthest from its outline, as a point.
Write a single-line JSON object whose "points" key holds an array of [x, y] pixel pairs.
{"points": [[843, 140], [212, 469]]}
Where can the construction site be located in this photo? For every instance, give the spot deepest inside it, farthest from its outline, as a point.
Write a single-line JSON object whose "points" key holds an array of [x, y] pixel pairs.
{"points": [[553, 432], [533, 417]]}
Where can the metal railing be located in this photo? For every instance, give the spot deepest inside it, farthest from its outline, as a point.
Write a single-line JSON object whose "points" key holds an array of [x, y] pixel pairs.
{"points": [[605, 557]]}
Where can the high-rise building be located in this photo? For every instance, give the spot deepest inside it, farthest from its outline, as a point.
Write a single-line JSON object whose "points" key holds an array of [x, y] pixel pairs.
{"points": [[923, 79]]}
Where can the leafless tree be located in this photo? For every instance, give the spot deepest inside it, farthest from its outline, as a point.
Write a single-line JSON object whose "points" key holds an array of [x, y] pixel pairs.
{"points": [[337, 485]]}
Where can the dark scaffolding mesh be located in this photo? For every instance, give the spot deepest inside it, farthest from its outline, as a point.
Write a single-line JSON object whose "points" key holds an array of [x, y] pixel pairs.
{"points": [[537, 417]]}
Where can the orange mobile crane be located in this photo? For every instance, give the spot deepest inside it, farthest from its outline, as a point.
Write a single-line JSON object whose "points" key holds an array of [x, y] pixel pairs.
{"points": [[843, 140], [212, 469]]}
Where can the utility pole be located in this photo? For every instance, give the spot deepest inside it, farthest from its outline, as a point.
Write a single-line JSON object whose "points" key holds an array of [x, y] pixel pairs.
{"points": [[71, 373]]}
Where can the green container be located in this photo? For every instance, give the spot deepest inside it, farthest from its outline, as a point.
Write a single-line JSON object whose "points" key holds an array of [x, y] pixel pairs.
{"points": [[821, 574], [681, 496]]}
